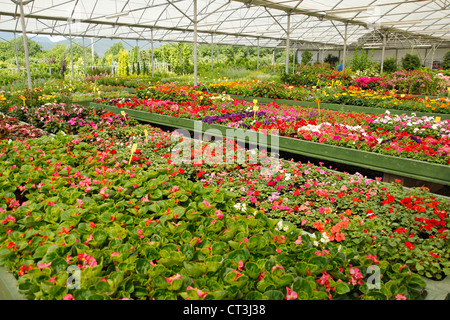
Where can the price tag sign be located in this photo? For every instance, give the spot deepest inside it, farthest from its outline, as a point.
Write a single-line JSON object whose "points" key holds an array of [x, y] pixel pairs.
{"points": [[123, 114], [146, 135], [133, 150], [438, 119], [255, 107]]}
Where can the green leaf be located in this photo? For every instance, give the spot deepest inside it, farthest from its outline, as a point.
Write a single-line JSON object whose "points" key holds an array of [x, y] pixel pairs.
{"points": [[302, 285], [342, 288], [255, 295], [193, 270], [156, 195], [103, 286], [82, 294], [320, 262], [59, 265], [274, 295], [142, 266], [100, 236], [240, 254]]}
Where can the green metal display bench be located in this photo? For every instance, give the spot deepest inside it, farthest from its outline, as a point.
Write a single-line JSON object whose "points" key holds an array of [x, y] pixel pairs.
{"points": [[410, 168]]}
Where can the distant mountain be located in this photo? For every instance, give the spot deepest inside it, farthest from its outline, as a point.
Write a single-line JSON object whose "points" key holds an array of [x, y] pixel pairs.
{"points": [[100, 45]]}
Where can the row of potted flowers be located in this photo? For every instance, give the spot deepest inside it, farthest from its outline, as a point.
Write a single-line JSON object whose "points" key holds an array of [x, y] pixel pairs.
{"points": [[422, 138], [139, 226], [336, 94]]}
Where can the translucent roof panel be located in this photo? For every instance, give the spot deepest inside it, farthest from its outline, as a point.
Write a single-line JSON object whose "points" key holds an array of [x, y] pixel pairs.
{"points": [[239, 22]]}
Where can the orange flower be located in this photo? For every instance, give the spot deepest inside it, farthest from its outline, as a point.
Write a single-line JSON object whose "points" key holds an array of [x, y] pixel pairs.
{"points": [[348, 212]]}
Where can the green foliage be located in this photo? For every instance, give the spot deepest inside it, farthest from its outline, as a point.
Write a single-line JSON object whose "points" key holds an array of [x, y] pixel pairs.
{"points": [[332, 60], [306, 57], [123, 69], [114, 50], [361, 61], [446, 61], [411, 62], [390, 65]]}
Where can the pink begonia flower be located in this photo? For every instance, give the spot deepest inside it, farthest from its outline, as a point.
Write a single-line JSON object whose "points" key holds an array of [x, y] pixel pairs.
{"points": [[240, 265], [115, 254], [276, 267], [356, 276], [374, 258], [44, 265], [200, 293], [400, 297], [206, 203], [219, 214], [170, 279], [291, 294], [68, 297], [102, 192], [89, 239], [299, 240]]}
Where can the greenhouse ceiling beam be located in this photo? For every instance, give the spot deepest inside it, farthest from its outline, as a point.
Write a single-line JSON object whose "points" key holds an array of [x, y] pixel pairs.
{"points": [[120, 24], [327, 16], [295, 10]]}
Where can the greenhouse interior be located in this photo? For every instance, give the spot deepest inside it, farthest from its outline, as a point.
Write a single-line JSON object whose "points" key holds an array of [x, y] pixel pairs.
{"points": [[224, 150]]}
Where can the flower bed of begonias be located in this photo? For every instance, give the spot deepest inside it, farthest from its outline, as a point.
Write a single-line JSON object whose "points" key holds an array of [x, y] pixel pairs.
{"points": [[154, 230], [140, 233], [411, 137], [12, 129]]}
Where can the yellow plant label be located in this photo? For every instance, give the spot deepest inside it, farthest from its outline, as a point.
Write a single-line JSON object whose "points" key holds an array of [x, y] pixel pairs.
{"points": [[133, 150], [438, 119]]}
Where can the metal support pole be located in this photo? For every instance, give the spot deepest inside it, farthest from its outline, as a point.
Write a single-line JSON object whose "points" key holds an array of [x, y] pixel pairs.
{"points": [[288, 33], [71, 49], [212, 52], [137, 57], [345, 48], [17, 55], [217, 53], [195, 43], [84, 59], [257, 56], [293, 60], [433, 50], [382, 52], [92, 49], [181, 56], [25, 45], [153, 69], [273, 56]]}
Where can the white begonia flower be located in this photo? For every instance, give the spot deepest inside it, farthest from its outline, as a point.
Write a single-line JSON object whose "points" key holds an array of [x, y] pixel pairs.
{"points": [[241, 206]]}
